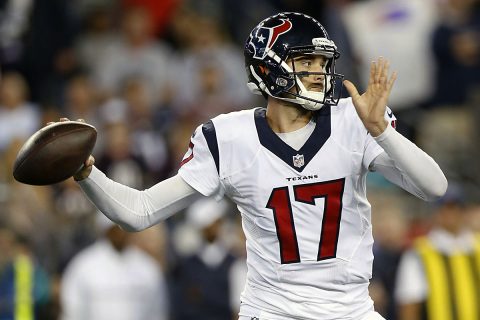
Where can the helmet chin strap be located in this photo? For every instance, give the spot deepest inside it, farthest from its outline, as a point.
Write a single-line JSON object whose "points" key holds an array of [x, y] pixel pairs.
{"points": [[309, 103]]}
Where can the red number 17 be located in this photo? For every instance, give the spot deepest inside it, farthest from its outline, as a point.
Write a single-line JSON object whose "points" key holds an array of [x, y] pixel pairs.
{"points": [[280, 203]]}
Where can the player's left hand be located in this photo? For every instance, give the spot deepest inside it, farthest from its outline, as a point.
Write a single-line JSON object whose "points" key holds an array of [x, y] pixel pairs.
{"points": [[371, 105]]}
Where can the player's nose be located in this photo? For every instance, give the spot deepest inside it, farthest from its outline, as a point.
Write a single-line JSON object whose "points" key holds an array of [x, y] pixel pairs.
{"points": [[318, 75]]}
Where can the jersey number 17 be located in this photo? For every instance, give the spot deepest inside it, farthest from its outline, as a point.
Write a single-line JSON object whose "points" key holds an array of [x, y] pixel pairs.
{"points": [[283, 214]]}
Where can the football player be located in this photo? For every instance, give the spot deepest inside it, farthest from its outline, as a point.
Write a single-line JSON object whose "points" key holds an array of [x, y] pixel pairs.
{"points": [[296, 170]]}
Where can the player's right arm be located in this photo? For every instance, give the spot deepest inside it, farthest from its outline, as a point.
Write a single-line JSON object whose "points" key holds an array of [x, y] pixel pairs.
{"points": [[136, 210], [132, 209]]}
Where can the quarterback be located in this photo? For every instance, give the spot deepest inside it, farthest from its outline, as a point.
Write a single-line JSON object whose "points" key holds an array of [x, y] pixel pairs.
{"points": [[296, 170]]}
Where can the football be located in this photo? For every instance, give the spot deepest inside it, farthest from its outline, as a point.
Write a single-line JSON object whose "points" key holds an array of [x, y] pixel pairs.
{"points": [[54, 153]]}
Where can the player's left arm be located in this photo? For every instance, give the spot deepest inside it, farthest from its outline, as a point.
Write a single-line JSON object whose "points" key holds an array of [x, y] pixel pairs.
{"points": [[403, 163], [408, 166]]}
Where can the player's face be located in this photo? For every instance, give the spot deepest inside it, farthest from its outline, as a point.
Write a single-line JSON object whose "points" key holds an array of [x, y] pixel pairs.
{"points": [[310, 63]]}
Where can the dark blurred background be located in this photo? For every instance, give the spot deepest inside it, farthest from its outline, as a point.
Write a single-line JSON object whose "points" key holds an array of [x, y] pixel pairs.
{"points": [[146, 73]]}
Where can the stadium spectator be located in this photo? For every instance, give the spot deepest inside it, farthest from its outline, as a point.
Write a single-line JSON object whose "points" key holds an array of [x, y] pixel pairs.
{"points": [[19, 117], [204, 282], [137, 54], [390, 232], [24, 284], [402, 32], [456, 52], [113, 280], [207, 80], [14, 24], [439, 278]]}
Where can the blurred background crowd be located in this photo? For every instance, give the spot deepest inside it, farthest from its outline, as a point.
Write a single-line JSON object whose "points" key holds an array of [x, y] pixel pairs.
{"points": [[145, 73]]}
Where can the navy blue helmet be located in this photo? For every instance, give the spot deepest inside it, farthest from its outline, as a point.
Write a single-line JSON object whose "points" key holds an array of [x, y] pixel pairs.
{"points": [[282, 36]]}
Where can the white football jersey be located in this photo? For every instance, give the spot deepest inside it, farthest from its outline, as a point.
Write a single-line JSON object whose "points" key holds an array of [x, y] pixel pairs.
{"points": [[305, 213]]}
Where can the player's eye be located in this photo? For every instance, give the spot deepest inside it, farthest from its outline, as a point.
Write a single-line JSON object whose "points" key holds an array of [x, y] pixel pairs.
{"points": [[306, 63]]}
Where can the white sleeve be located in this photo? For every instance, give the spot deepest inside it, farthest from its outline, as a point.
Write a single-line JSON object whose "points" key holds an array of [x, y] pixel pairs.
{"points": [[409, 167], [136, 210], [410, 284]]}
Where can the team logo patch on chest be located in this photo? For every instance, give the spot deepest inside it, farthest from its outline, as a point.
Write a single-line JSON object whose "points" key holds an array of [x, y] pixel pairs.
{"points": [[298, 160]]}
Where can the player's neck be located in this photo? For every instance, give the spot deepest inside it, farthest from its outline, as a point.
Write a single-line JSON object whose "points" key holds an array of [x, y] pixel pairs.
{"points": [[286, 117]]}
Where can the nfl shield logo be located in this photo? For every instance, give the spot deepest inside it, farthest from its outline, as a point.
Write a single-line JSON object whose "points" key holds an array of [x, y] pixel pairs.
{"points": [[298, 160]]}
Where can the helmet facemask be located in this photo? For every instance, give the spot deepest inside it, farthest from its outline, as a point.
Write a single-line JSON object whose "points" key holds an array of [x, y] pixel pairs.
{"points": [[311, 100]]}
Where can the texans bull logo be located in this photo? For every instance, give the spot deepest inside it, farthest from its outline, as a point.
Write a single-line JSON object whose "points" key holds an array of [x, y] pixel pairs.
{"points": [[264, 38]]}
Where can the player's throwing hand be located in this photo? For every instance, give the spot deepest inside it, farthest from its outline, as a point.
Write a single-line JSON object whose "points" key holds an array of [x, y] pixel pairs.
{"points": [[371, 105], [85, 170]]}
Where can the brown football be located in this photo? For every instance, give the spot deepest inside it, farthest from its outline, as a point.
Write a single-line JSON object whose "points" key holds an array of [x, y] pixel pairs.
{"points": [[54, 153]]}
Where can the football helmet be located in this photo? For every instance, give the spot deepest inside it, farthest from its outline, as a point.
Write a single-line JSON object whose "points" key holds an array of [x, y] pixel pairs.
{"points": [[283, 36]]}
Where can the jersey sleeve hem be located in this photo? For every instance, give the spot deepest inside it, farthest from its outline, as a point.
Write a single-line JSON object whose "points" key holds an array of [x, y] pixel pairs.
{"points": [[368, 160], [195, 183]]}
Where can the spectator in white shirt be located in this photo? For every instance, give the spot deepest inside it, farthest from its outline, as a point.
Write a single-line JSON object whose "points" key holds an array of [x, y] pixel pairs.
{"points": [[113, 280]]}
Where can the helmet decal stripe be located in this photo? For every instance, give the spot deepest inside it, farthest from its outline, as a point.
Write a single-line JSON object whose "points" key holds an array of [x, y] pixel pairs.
{"points": [[263, 38], [278, 30]]}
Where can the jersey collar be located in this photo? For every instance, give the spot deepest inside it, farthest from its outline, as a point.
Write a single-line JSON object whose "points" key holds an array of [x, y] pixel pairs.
{"points": [[278, 147]]}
